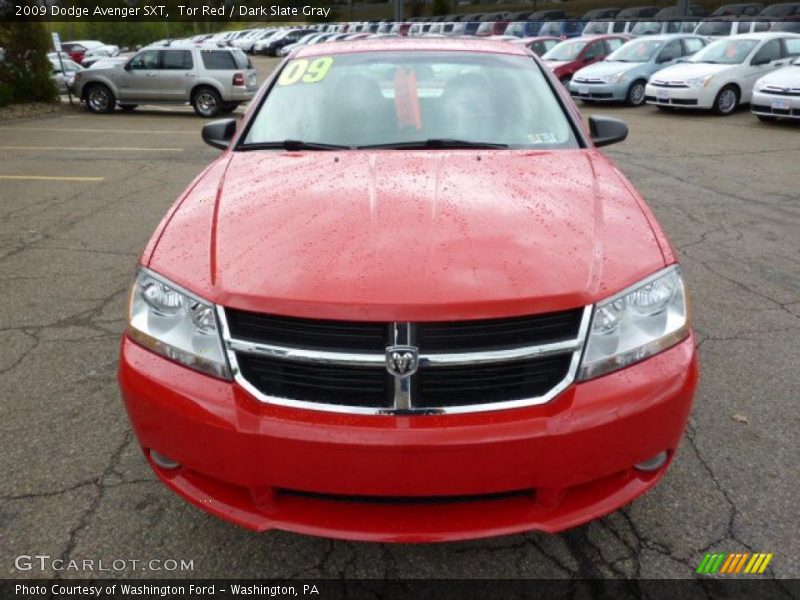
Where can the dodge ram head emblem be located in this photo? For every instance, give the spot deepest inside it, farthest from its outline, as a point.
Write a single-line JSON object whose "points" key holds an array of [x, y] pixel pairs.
{"points": [[402, 361]]}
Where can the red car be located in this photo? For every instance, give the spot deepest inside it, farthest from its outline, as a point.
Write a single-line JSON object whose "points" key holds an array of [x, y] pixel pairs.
{"points": [[411, 301], [572, 55]]}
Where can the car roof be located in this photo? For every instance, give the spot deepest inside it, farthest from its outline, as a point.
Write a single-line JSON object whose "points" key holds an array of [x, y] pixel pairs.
{"points": [[415, 45], [764, 35]]}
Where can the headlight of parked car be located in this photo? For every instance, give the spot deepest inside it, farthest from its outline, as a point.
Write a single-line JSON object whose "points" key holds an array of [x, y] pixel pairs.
{"points": [[176, 324], [759, 85], [639, 322], [616, 78], [698, 82]]}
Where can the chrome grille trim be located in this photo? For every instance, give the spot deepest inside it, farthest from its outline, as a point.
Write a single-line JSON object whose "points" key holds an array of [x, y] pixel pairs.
{"points": [[405, 405]]}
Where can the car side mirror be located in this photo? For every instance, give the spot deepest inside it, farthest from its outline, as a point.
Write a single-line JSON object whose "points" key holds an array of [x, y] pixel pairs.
{"points": [[758, 61], [605, 130], [127, 66], [219, 133]]}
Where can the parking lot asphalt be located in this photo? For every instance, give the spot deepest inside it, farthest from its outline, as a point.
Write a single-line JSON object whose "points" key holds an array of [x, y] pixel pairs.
{"points": [[80, 196]]}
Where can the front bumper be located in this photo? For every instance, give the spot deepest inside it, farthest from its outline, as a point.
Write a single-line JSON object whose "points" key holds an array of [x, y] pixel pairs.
{"points": [[773, 105], [702, 98], [599, 92], [409, 478]]}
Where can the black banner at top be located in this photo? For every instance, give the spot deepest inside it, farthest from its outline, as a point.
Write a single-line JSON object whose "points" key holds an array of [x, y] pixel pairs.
{"points": [[174, 10]]}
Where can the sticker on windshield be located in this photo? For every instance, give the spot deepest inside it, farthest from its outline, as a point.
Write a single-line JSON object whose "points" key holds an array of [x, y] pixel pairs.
{"points": [[306, 71], [542, 138]]}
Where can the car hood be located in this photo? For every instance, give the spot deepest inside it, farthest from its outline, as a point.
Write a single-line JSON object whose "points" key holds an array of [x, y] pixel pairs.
{"points": [[690, 70], [555, 64], [397, 235], [603, 69], [786, 77]]}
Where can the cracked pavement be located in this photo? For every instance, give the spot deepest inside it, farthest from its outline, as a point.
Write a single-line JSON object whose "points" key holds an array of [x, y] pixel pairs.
{"points": [[726, 191]]}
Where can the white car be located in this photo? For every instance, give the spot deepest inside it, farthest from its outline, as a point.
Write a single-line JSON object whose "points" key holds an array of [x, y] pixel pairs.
{"points": [[778, 94], [721, 76]]}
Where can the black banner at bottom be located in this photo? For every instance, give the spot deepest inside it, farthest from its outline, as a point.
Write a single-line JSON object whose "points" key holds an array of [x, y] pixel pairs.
{"points": [[416, 589]]}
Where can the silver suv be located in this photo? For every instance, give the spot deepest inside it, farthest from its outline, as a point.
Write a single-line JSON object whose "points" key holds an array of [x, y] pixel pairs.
{"points": [[212, 79]]}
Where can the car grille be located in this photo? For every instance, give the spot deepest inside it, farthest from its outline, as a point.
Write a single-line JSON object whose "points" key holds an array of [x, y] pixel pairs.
{"points": [[669, 84], [463, 366], [773, 91]]}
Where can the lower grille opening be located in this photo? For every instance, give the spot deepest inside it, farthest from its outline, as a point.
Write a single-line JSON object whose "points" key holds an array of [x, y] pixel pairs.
{"points": [[408, 499]]}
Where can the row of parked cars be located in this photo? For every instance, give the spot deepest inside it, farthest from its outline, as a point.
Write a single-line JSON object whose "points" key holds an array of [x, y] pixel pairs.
{"points": [[668, 70], [687, 71]]}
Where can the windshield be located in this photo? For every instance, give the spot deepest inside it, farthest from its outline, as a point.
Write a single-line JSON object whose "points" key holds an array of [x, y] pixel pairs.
{"points": [[646, 28], [596, 27], [637, 51], [725, 52], [714, 28], [398, 98], [565, 51]]}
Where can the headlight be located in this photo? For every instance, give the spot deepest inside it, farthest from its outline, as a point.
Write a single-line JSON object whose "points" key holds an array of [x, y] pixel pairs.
{"points": [[699, 81], [615, 78], [176, 324], [638, 322], [759, 85]]}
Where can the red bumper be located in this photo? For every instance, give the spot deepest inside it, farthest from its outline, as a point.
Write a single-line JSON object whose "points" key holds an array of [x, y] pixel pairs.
{"points": [[423, 478]]}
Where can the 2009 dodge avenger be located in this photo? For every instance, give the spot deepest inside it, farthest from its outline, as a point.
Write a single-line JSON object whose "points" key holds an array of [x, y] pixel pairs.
{"points": [[410, 301]]}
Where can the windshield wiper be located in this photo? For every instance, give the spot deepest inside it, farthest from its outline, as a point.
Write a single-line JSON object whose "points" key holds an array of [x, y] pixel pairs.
{"points": [[293, 145], [439, 143]]}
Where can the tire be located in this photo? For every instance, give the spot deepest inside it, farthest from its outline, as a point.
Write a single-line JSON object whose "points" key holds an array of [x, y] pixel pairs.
{"points": [[206, 102], [766, 118], [229, 107], [99, 99], [727, 101], [635, 95], [128, 107]]}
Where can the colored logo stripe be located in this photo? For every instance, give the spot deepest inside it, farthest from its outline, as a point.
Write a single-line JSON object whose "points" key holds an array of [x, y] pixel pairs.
{"points": [[724, 563]]}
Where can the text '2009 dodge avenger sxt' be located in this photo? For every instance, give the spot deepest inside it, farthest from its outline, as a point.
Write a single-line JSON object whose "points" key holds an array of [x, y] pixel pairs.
{"points": [[411, 301]]}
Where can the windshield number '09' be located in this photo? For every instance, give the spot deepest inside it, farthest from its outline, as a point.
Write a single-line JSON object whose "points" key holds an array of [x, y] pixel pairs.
{"points": [[305, 71]]}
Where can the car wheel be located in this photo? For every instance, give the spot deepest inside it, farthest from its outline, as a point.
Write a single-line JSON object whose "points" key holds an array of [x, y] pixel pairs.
{"points": [[766, 118], [128, 107], [99, 99], [230, 107], [635, 95], [727, 101], [207, 102]]}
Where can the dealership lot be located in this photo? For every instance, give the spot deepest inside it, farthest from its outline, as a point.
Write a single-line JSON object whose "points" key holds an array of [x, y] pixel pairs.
{"points": [[80, 196]]}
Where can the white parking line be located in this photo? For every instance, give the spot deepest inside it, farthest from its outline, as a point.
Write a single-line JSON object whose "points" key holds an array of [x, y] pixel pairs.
{"points": [[91, 148], [75, 130], [49, 178]]}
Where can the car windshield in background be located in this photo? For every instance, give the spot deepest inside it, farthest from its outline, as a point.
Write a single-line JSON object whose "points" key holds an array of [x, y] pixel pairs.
{"points": [[725, 52], [565, 51], [411, 99], [595, 27], [714, 28], [646, 28], [639, 51]]}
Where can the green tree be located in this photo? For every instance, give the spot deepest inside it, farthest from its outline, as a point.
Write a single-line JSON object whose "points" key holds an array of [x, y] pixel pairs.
{"points": [[25, 71], [440, 7]]}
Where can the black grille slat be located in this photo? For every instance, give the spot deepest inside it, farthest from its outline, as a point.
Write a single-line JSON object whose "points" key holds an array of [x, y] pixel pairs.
{"points": [[466, 385], [327, 384], [344, 336], [491, 334], [434, 337]]}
